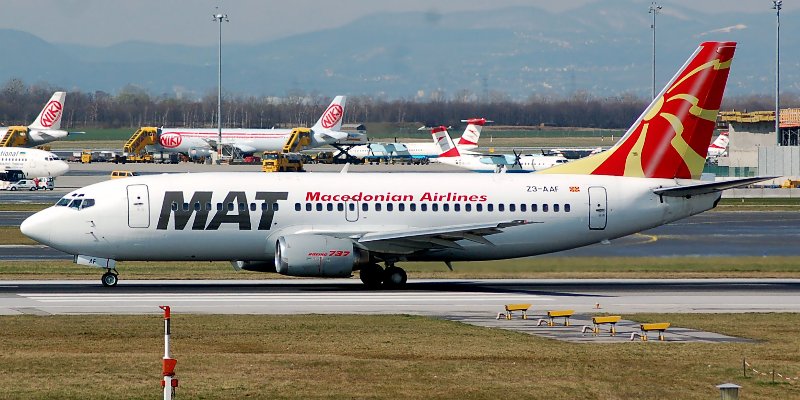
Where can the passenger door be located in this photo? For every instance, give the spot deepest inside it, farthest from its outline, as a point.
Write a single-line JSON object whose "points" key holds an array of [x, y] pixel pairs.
{"points": [[598, 204], [138, 206]]}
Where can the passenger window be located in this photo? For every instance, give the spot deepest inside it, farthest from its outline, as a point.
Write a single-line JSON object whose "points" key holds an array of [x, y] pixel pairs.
{"points": [[566, 207], [197, 206], [174, 206], [252, 206], [274, 206], [456, 207], [230, 206], [490, 207], [468, 207], [435, 207], [264, 206], [330, 206], [512, 207], [479, 207], [389, 206], [377, 206], [308, 206], [364, 207], [340, 206], [544, 207], [555, 207], [401, 206], [208, 206], [534, 208], [219, 206], [412, 206], [445, 207], [523, 207], [352, 206], [501, 207], [185, 206], [297, 207], [242, 207], [423, 207], [319, 206]]}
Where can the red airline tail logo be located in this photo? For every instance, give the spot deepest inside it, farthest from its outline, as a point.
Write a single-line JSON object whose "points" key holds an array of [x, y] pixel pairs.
{"points": [[51, 113], [332, 116]]}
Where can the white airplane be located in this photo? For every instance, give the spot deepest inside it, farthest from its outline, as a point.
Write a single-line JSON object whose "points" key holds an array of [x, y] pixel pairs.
{"points": [[328, 225], [202, 142], [449, 154], [468, 141], [720, 145], [31, 163], [47, 125]]}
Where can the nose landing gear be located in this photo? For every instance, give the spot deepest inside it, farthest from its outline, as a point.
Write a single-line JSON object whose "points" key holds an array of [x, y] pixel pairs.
{"points": [[109, 278]]}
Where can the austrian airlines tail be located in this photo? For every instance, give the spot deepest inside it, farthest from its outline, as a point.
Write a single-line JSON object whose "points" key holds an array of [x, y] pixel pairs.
{"points": [[50, 117], [445, 143], [469, 140], [719, 146], [330, 123], [670, 139]]}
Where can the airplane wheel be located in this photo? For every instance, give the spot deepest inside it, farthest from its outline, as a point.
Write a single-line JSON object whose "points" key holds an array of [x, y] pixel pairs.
{"points": [[371, 275], [109, 279], [394, 277]]}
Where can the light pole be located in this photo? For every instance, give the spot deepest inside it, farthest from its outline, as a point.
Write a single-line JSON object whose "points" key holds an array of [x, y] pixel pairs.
{"points": [[219, 17], [776, 5], [654, 8]]}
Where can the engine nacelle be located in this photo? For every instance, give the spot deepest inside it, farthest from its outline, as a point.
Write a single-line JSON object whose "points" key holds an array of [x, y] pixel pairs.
{"points": [[317, 255], [195, 153]]}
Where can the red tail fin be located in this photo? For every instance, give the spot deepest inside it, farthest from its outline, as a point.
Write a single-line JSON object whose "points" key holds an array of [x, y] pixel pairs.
{"points": [[670, 139]]}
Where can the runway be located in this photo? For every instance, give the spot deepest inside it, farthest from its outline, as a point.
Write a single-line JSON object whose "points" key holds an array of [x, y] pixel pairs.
{"points": [[423, 297], [709, 234]]}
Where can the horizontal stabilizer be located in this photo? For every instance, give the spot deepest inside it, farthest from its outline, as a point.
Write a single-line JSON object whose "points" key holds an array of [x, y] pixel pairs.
{"points": [[709, 187], [338, 135]]}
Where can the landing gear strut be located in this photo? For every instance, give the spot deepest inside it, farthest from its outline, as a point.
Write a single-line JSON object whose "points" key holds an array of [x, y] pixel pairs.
{"points": [[109, 278]]}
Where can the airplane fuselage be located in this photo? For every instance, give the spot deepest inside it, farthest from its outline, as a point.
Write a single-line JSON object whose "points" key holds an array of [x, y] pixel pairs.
{"points": [[32, 162], [218, 216], [188, 141]]}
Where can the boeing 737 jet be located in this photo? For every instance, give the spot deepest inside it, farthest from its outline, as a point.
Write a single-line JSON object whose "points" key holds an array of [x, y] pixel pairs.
{"points": [[468, 141], [32, 163], [202, 142], [330, 225], [46, 127]]}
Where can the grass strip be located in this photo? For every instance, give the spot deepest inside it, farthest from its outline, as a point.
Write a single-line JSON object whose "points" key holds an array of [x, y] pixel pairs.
{"points": [[380, 357]]}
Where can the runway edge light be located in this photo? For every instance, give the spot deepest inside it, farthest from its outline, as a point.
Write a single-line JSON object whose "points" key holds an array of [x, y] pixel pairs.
{"points": [[168, 381]]}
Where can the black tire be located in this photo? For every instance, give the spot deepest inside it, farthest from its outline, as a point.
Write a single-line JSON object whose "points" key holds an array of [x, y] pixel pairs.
{"points": [[371, 275], [394, 277], [32, 188], [13, 189], [109, 279]]}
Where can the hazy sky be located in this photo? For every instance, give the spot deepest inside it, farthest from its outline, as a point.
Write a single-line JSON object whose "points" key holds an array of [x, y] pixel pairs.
{"points": [[104, 22]]}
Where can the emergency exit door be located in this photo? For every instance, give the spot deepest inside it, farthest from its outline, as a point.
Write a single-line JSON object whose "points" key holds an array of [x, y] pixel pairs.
{"points": [[598, 205], [138, 206]]}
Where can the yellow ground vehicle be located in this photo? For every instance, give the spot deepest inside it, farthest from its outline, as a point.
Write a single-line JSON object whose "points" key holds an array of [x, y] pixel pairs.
{"points": [[122, 174], [86, 157], [273, 161], [791, 184]]}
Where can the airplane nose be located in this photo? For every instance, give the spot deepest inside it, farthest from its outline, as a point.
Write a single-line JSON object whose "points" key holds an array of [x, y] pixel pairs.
{"points": [[37, 228], [61, 168]]}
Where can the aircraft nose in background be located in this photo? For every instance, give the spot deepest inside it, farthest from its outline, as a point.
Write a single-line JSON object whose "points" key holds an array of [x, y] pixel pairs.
{"points": [[37, 227], [60, 168]]}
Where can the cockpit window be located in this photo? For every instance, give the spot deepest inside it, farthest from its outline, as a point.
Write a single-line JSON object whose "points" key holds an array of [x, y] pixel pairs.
{"points": [[63, 202], [76, 204], [87, 203]]}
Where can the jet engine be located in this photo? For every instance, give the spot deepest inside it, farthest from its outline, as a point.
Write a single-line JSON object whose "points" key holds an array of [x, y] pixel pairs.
{"points": [[317, 255], [195, 153]]}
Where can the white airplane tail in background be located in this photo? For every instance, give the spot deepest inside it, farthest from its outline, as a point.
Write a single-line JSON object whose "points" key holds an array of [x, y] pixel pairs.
{"points": [[469, 140], [442, 139], [50, 117], [330, 123], [719, 146]]}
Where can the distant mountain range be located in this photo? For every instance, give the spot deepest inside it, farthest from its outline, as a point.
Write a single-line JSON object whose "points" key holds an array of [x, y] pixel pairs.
{"points": [[603, 49]]}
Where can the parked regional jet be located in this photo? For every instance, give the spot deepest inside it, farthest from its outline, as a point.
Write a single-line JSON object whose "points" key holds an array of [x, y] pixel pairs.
{"points": [[449, 154], [202, 142], [720, 146], [329, 225], [33, 163], [468, 141], [47, 126]]}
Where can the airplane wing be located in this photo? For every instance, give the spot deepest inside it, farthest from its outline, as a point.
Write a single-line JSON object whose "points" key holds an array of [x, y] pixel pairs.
{"points": [[410, 240], [244, 148], [709, 187], [498, 159]]}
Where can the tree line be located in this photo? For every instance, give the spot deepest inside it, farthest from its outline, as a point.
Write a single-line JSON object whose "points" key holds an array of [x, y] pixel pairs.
{"points": [[133, 107]]}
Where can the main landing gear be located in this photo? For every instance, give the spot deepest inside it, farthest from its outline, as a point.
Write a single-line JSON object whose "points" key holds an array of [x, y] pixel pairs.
{"points": [[109, 278], [391, 278]]}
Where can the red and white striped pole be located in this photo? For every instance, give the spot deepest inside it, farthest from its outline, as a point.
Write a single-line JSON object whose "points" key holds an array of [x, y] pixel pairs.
{"points": [[169, 382]]}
